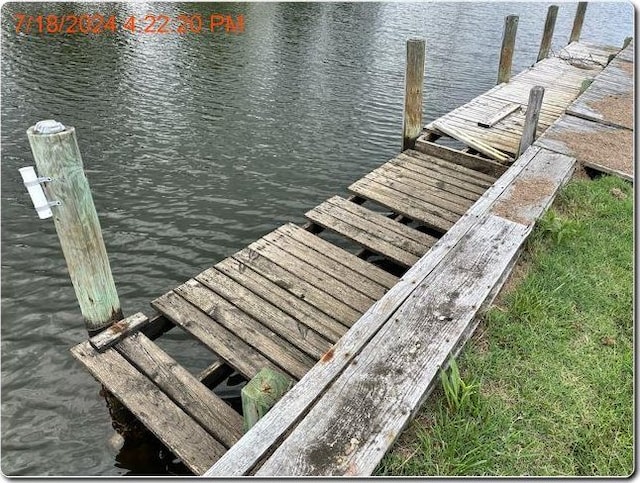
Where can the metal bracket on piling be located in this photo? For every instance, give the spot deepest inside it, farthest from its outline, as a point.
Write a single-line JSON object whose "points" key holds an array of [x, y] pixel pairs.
{"points": [[33, 183]]}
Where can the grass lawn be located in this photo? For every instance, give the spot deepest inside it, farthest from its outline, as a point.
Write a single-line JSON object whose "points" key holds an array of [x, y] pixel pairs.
{"points": [[548, 377]]}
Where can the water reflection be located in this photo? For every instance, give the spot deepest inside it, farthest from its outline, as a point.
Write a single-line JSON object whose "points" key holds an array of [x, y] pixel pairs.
{"points": [[197, 145]]}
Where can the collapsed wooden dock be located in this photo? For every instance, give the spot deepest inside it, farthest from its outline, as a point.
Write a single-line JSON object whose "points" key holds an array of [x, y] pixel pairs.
{"points": [[362, 345]]}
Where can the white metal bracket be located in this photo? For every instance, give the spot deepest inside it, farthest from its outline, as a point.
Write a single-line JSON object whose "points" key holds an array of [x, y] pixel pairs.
{"points": [[33, 183]]}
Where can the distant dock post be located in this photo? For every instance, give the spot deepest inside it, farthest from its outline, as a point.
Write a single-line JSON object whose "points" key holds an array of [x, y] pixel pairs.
{"points": [[56, 153], [508, 45], [414, 79], [547, 36], [531, 119], [578, 21]]}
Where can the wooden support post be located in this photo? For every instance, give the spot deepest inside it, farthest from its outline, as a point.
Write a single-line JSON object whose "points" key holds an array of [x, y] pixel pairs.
{"points": [[55, 150], [578, 21], [261, 393], [531, 119], [414, 79], [547, 36], [508, 44]]}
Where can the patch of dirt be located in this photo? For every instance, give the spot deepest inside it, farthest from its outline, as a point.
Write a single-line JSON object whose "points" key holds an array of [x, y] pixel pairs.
{"points": [[618, 193], [615, 108], [523, 194], [610, 148], [581, 173]]}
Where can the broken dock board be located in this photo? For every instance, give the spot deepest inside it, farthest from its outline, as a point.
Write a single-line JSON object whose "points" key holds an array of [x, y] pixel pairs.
{"points": [[244, 457]]}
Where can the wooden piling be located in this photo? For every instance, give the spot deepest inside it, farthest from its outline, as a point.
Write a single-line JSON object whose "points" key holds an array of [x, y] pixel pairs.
{"points": [[56, 153], [547, 35], [414, 79], [578, 21], [531, 118], [261, 393], [506, 52]]}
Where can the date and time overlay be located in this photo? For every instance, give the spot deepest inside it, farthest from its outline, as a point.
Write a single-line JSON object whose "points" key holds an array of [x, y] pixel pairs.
{"points": [[154, 24]]}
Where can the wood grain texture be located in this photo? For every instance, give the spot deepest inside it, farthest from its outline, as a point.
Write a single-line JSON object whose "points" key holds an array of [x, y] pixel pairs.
{"points": [[288, 302], [508, 45], [216, 417], [358, 418], [578, 20], [77, 225], [263, 311], [547, 34], [325, 264], [118, 331], [188, 440], [347, 259], [270, 431], [459, 158], [287, 356], [494, 118], [331, 306], [531, 120], [224, 343], [413, 86]]}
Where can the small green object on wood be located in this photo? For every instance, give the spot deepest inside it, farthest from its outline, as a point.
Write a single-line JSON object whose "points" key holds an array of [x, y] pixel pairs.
{"points": [[261, 393]]}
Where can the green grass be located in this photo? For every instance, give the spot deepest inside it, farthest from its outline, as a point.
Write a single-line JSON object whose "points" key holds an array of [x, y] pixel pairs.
{"points": [[551, 365]]}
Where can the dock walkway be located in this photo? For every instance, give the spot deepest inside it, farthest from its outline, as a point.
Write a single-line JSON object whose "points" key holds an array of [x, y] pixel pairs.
{"points": [[324, 316]]}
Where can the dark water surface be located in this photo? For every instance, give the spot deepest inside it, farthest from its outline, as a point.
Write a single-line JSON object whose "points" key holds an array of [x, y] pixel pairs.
{"points": [[197, 145]]}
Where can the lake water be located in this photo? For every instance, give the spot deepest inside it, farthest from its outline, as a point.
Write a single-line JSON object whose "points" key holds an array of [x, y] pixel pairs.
{"points": [[196, 145]]}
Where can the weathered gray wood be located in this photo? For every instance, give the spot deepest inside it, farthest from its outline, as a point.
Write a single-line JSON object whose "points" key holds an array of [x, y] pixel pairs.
{"points": [[216, 417], [270, 316], [347, 259], [547, 35], [449, 209], [591, 144], [325, 264], [402, 204], [374, 237], [269, 432], [325, 302], [287, 301], [531, 121], [418, 240], [470, 141], [414, 79], [57, 156], [118, 331], [498, 116], [357, 419], [471, 161], [224, 343], [422, 179], [261, 338], [578, 20], [187, 439], [506, 51], [306, 272], [261, 393]]}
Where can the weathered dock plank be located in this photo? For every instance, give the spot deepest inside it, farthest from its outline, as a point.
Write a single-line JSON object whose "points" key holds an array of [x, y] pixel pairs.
{"points": [[243, 457], [308, 314], [609, 98], [281, 352], [605, 148], [372, 230], [348, 430], [269, 315], [216, 417], [186, 438]]}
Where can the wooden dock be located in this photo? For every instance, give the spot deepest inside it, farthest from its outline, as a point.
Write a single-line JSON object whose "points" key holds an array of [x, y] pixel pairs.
{"points": [[362, 344]]}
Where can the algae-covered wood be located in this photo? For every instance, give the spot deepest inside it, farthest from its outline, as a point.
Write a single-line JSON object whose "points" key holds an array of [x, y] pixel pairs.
{"points": [[76, 220]]}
